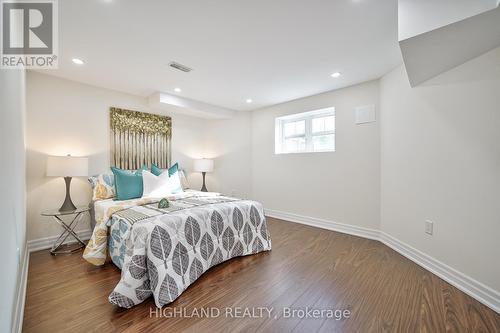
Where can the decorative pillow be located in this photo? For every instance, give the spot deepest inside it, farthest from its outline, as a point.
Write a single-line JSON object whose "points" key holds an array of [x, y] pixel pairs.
{"points": [[128, 185], [155, 170], [184, 181], [173, 169], [155, 186], [175, 183], [174, 174], [103, 186]]}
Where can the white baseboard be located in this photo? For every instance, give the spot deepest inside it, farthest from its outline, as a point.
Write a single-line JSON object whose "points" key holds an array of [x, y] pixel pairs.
{"points": [[465, 283], [31, 246], [17, 325], [325, 224], [46, 243]]}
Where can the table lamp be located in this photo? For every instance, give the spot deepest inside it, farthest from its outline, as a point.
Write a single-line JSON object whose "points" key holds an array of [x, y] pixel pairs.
{"points": [[204, 165], [67, 167]]}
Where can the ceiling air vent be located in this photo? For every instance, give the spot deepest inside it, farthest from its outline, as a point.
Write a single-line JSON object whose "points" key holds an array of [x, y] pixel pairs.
{"points": [[180, 67]]}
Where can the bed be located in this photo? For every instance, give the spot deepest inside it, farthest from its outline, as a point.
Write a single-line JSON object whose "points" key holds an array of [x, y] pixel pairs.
{"points": [[161, 251]]}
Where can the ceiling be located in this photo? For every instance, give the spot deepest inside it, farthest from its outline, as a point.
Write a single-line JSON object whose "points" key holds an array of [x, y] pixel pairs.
{"points": [[271, 51], [417, 17]]}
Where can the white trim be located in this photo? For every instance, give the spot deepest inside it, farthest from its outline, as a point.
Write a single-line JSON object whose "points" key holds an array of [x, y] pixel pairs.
{"points": [[324, 224], [465, 283], [31, 246], [46, 243], [470, 286], [17, 324]]}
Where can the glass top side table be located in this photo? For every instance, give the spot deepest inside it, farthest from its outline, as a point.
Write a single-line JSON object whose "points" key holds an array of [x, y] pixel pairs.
{"points": [[69, 229]]}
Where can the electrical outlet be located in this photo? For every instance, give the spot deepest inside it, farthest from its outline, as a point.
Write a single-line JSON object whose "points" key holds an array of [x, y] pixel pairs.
{"points": [[429, 227]]}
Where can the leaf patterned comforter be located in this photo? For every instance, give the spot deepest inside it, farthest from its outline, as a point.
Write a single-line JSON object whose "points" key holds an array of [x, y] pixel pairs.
{"points": [[168, 252]]}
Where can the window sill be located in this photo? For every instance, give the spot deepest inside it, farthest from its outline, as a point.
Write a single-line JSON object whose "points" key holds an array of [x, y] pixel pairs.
{"points": [[305, 152]]}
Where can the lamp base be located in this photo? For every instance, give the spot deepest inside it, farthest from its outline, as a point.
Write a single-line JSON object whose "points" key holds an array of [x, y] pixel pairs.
{"points": [[204, 188], [68, 204]]}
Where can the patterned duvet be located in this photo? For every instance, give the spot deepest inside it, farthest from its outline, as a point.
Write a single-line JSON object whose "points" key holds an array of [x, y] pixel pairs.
{"points": [[163, 251]]}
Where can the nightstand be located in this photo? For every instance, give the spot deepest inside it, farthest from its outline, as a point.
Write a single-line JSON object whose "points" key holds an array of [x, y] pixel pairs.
{"points": [[69, 229]]}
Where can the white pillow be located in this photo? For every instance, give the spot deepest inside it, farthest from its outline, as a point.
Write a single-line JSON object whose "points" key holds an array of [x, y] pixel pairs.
{"points": [[156, 186], [178, 187], [174, 182], [184, 181]]}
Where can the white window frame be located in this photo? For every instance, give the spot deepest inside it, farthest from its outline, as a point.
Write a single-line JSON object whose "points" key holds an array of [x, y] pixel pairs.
{"points": [[279, 147]]}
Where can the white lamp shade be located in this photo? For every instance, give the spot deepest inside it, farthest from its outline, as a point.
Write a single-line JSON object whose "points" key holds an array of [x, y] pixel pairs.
{"points": [[67, 166], [204, 165]]}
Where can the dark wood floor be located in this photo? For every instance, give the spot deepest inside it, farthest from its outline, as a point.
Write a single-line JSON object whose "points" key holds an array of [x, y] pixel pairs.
{"points": [[308, 267]]}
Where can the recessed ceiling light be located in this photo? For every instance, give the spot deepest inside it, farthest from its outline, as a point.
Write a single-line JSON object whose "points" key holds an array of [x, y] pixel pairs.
{"points": [[249, 100], [77, 61], [177, 89], [336, 74]]}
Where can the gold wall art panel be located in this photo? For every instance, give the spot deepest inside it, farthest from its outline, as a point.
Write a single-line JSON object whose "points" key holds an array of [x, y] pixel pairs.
{"points": [[139, 138]]}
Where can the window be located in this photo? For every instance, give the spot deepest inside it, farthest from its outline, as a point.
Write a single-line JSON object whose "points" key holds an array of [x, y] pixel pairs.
{"points": [[306, 132]]}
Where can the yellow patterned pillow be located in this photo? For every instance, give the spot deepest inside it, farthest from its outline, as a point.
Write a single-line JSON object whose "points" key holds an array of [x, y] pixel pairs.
{"points": [[103, 186]]}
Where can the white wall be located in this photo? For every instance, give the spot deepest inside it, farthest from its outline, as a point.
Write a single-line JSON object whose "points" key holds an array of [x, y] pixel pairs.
{"points": [[69, 117], [12, 194], [228, 142], [440, 160], [434, 153], [341, 186]]}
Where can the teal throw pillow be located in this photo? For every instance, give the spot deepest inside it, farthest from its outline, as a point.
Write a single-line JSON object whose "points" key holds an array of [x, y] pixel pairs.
{"points": [[128, 185], [155, 170]]}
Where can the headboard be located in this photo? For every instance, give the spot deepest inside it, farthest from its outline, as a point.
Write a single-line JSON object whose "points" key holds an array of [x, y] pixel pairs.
{"points": [[139, 138]]}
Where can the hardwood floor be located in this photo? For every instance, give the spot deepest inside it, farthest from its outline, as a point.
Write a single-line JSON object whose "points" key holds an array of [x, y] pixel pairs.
{"points": [[308, 267]]}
